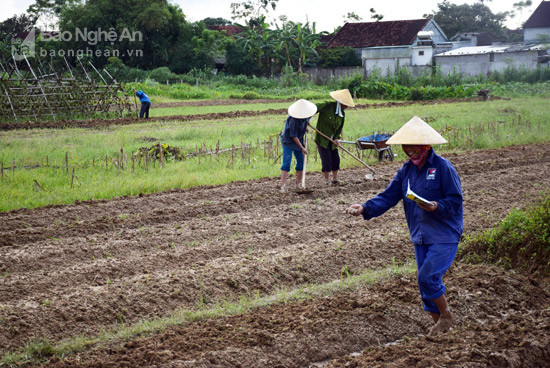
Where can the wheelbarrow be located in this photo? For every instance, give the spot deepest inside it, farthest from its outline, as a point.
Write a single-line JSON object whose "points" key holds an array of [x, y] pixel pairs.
{"points": [[375, 142]]}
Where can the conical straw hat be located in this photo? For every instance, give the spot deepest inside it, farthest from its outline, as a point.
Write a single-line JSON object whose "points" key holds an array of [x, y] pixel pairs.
{"points": [[343, 96], [416, 131], [302, 109]]}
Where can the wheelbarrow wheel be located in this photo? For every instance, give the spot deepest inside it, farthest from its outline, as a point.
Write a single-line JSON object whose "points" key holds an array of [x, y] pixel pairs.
{"points": [[386, 153], [390, 154]]}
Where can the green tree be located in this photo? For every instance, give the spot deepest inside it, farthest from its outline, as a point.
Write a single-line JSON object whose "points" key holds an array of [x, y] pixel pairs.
{"points": [[150, 33], [338, 56], [252, 9], [16, 25], [307, 40], [352, 17], [477, 17], [374, 15], [216, 22], [239, 60]]}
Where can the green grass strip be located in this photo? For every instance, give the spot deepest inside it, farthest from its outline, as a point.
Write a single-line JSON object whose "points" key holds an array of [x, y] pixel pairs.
{"points": [[39, 351]]}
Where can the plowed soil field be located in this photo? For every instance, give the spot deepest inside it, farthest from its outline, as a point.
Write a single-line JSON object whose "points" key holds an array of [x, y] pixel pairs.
{"points": [[77, 270]]}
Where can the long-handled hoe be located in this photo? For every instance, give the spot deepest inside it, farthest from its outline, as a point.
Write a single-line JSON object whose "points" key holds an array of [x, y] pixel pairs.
{"points": [[302, 189], [367, 176]]}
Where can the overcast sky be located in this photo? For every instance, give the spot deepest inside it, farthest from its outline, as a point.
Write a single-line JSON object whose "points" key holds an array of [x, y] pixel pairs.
{"points": [[327, 14]]}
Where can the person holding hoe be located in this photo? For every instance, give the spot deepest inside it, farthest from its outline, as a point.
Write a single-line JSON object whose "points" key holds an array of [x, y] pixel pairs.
{"points": [[431, 192], [145, 104], [330, 123], [292, 139]]}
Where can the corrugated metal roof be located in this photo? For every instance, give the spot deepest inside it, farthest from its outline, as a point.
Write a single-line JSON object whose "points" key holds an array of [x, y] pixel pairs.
{"points": [[493, 49]]}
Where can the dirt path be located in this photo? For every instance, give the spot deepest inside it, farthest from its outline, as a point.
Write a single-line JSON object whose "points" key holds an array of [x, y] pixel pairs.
{"points": [[99, 123], [72, 270]]}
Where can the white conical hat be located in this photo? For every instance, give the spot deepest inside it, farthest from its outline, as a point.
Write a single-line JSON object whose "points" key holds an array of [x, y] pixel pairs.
{"points": [[343, 96], [416, 131], [302, 109]]}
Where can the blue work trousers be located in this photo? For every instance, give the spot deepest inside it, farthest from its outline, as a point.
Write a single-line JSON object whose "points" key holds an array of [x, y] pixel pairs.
{"points": [[432, 261], [287, 159]]}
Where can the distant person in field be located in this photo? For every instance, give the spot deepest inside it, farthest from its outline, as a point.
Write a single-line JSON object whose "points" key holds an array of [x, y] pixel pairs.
{"points": [[435, 227], [145, 104], [292, 139], [330, 123]]}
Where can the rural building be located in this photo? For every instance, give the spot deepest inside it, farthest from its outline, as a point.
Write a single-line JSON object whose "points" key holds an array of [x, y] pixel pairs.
{"points": [[385, 46], [472, 61], [538, 24], [467, 39]]}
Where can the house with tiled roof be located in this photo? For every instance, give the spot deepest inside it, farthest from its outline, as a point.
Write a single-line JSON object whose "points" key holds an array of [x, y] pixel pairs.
{"points": [[538, 23], [385, 46]]}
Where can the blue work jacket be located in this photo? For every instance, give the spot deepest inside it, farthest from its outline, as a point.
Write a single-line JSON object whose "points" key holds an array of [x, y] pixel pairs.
{"points": [[142, 96], [436, 181], [294, 128]]}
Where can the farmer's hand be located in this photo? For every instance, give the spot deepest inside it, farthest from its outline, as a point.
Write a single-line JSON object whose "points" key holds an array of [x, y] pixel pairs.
{"points": [[354, 210], [428, 207], [304, 151], [336, 143]]}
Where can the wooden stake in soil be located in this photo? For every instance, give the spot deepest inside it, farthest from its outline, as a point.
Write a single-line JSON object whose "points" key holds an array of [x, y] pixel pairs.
{"points": [[37, 186], [133, 163], [13, 167], [122, 158], [161, 155], [66, 162]]}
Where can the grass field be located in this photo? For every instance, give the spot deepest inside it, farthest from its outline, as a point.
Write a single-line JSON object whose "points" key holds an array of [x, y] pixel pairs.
{"points": [[92, 152]]}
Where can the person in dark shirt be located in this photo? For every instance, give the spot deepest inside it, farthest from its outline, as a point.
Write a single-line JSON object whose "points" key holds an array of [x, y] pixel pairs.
{"points": [[292, 139], [330, 123], [436, 226]]}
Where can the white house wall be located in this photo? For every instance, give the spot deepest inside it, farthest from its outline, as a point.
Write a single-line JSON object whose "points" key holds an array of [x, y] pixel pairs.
{"points": [[425, 59], [531, 34]]}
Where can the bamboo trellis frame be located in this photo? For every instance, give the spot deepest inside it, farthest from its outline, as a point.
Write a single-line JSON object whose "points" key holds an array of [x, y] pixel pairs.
{"points": [[35, 90]]}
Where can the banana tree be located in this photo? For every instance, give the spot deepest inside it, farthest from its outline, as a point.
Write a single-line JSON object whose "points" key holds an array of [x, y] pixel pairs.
{"points": [[306, 41]]}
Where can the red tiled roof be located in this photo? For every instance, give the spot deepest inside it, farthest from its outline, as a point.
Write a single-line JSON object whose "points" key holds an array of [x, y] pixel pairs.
{"points": [[230, 30], [389, 33], [540, 17]]}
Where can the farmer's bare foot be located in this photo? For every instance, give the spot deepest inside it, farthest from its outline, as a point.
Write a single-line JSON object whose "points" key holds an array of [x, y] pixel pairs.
{"points": [[442, 325]]}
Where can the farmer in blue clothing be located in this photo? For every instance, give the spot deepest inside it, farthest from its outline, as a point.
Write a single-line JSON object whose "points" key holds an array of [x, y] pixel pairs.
{"points": [[145, 104], [292, 139], [435, 228]]}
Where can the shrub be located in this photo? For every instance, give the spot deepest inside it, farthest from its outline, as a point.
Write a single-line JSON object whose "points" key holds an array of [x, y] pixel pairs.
{"points": [[521, 241], [163, 74]]}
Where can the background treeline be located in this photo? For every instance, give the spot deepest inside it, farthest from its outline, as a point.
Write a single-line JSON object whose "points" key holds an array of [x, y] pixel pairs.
{"points": [[255, 45]]}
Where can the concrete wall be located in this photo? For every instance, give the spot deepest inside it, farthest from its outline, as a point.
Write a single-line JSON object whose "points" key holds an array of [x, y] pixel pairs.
{"points": [[485, 63], [323, 74], [385, 66], [530, 34]]}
